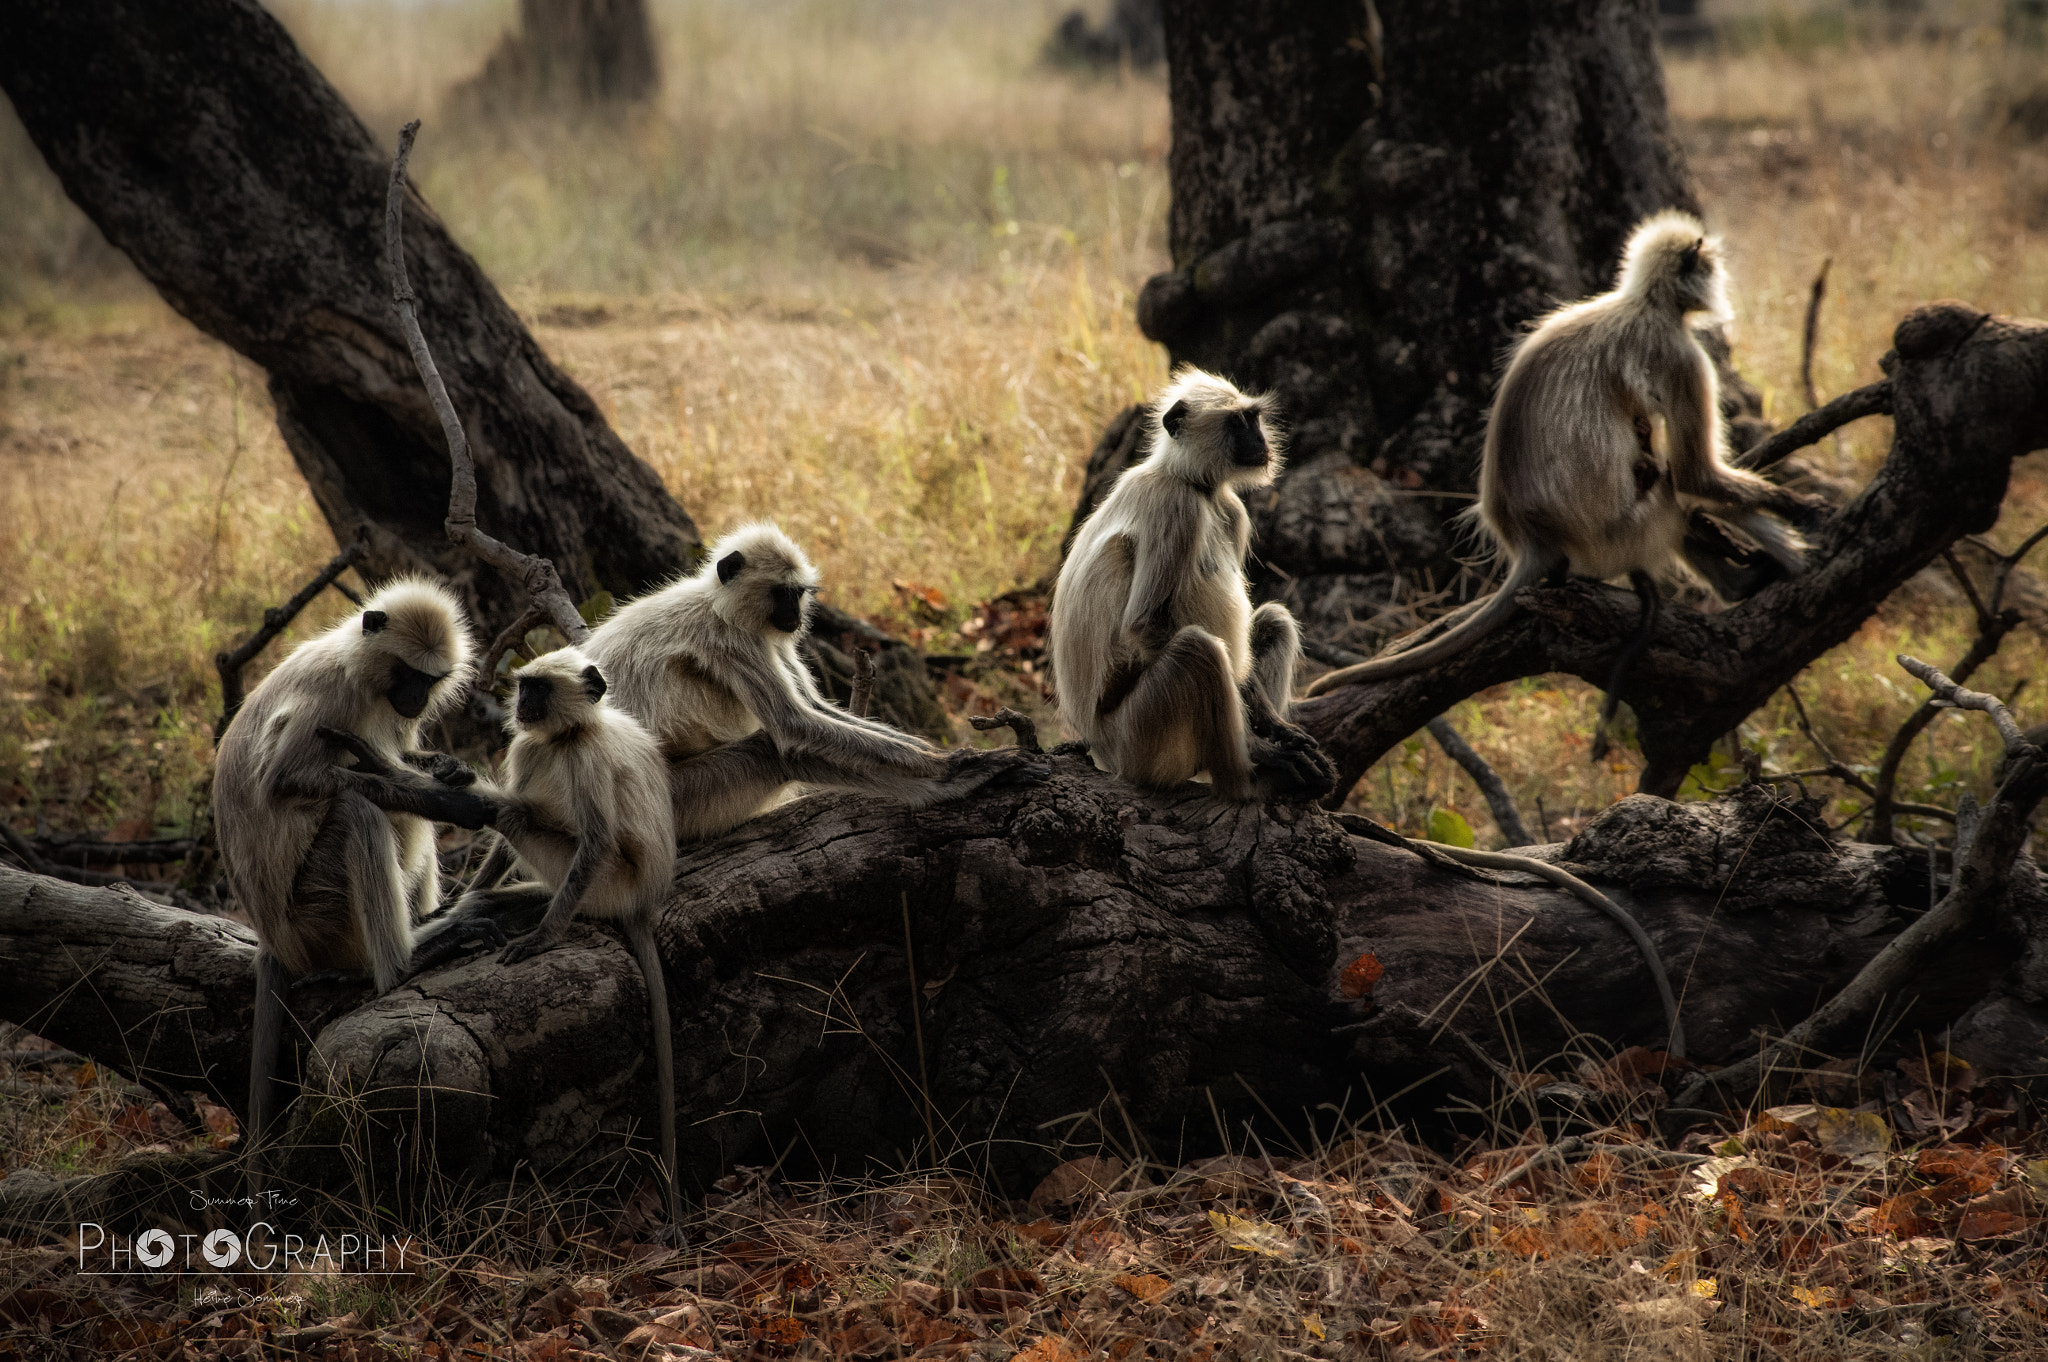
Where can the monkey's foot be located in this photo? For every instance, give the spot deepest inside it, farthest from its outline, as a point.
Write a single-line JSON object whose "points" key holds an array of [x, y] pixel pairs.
{"points": [[1292, 773], [456, 939], [528, 946]]}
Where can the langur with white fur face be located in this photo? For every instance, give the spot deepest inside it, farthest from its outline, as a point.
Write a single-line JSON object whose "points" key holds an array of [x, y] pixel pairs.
{"points": [[1605, 433], [711, 666], [585, 805], [1160, 662], [335, 865]]}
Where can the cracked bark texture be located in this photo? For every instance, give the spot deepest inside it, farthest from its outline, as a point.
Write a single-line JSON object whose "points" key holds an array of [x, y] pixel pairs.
{"points": [[1968, 393], [1079, 948], [208, 149]]}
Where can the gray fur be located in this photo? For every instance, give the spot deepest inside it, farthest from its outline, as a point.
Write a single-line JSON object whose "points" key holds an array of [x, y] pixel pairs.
{"points": [[737, 713], [1160, 663], [1605, 433]]}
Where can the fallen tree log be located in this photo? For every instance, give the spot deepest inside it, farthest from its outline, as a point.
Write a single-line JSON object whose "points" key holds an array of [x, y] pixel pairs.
{"points": [[1086, 962]]}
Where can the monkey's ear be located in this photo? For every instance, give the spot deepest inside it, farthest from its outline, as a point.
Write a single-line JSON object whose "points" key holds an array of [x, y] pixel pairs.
{"points": [[593, 684], [731, 566], [1174, 418], [373, 620]]}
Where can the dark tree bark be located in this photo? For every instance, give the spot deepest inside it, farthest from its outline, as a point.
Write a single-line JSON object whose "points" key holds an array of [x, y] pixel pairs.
{"points": [[580, 53], [1078, 947], [206, 147]]}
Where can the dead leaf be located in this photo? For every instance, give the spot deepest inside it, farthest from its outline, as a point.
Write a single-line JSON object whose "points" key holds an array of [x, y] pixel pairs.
{"points": [[1253, 1236], [1147, 1288], [1046, 1348], [1075, 1180], [1852, 1135], [1360, 976]]}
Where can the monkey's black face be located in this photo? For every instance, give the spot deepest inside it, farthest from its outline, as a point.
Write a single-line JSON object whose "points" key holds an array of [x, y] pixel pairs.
{"points": [[787, 609], [409, 690], [1247, 439], [536, 696]]}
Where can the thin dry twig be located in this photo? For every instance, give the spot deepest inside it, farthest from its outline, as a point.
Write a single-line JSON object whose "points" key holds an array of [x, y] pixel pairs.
{"points": [[1983, 864], [1026, 731], [275, 621], [1875, 400], [863, 697], [537, 574], [1820, 289], [1847, 774], [1994, 622], [511, 637]]}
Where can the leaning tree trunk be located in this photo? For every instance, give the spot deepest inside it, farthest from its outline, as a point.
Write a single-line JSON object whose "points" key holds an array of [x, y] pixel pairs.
{"points": [[204, 145], [854, 982]]}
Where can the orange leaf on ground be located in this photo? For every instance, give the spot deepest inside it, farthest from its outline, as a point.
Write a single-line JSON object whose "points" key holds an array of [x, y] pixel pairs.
{"points": [[1360, 975], [1148, 1288], [1046, 1348]]}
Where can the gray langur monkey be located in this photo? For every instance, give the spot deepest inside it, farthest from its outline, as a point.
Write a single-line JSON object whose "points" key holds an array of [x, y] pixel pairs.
{"points": [[585, 804], [1160, 662], [1605, 434], [710, 665], [334, 865]]}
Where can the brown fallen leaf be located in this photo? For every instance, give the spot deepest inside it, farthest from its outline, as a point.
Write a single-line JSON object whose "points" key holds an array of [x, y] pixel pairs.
{"points": [[1147, 1288], [1360, 975]]}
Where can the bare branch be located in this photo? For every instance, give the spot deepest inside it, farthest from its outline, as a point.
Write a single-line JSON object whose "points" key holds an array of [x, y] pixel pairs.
{"points": [[1820, 289], [275, 621], [1026, 731], [535, 573], [1883, 807], [1506, 816], [1953, 696], [513, 635], [1983, 866], [1875, 400], [863, 697]]}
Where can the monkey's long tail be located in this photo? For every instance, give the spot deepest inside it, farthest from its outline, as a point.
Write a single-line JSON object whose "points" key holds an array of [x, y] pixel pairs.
{"points": [[1498, 608], [641, 935], [271, 982], [1564, 879]]}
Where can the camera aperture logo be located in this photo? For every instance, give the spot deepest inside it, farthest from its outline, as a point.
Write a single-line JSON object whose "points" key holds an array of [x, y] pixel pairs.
{"points": [[263, 1247]]}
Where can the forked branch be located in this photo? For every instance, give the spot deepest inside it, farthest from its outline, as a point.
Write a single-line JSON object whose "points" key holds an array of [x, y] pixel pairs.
{"points": [[535, 573], [275, 621]]}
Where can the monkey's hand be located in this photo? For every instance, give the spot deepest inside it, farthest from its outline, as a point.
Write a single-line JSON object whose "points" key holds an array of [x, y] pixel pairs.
{"points": [[447, 770], [528, 946], [970, 768], [367, 760], [1294, 770]]}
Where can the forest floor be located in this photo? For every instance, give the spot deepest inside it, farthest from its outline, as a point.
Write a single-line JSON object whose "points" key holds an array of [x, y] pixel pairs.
{"points": [[870, 270]]}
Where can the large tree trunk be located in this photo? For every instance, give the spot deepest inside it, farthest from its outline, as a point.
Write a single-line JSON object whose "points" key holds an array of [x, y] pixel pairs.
{"points": [[206, 147], [1165, 963], [1367, 202], [575, 53]]}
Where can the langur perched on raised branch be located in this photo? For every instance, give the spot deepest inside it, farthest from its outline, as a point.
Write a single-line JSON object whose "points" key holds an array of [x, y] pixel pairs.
{"points": [[1605, 434], [335, 866], [1161, 664], [586, 807], [710, 665]]}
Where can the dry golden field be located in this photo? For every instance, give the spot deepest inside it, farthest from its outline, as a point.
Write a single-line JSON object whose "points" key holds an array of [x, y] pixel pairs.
{"points": [[870, 269]]}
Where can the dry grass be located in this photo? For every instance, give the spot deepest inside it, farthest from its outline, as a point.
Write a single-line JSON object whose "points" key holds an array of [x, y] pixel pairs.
{"points": [[871, 272]]}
